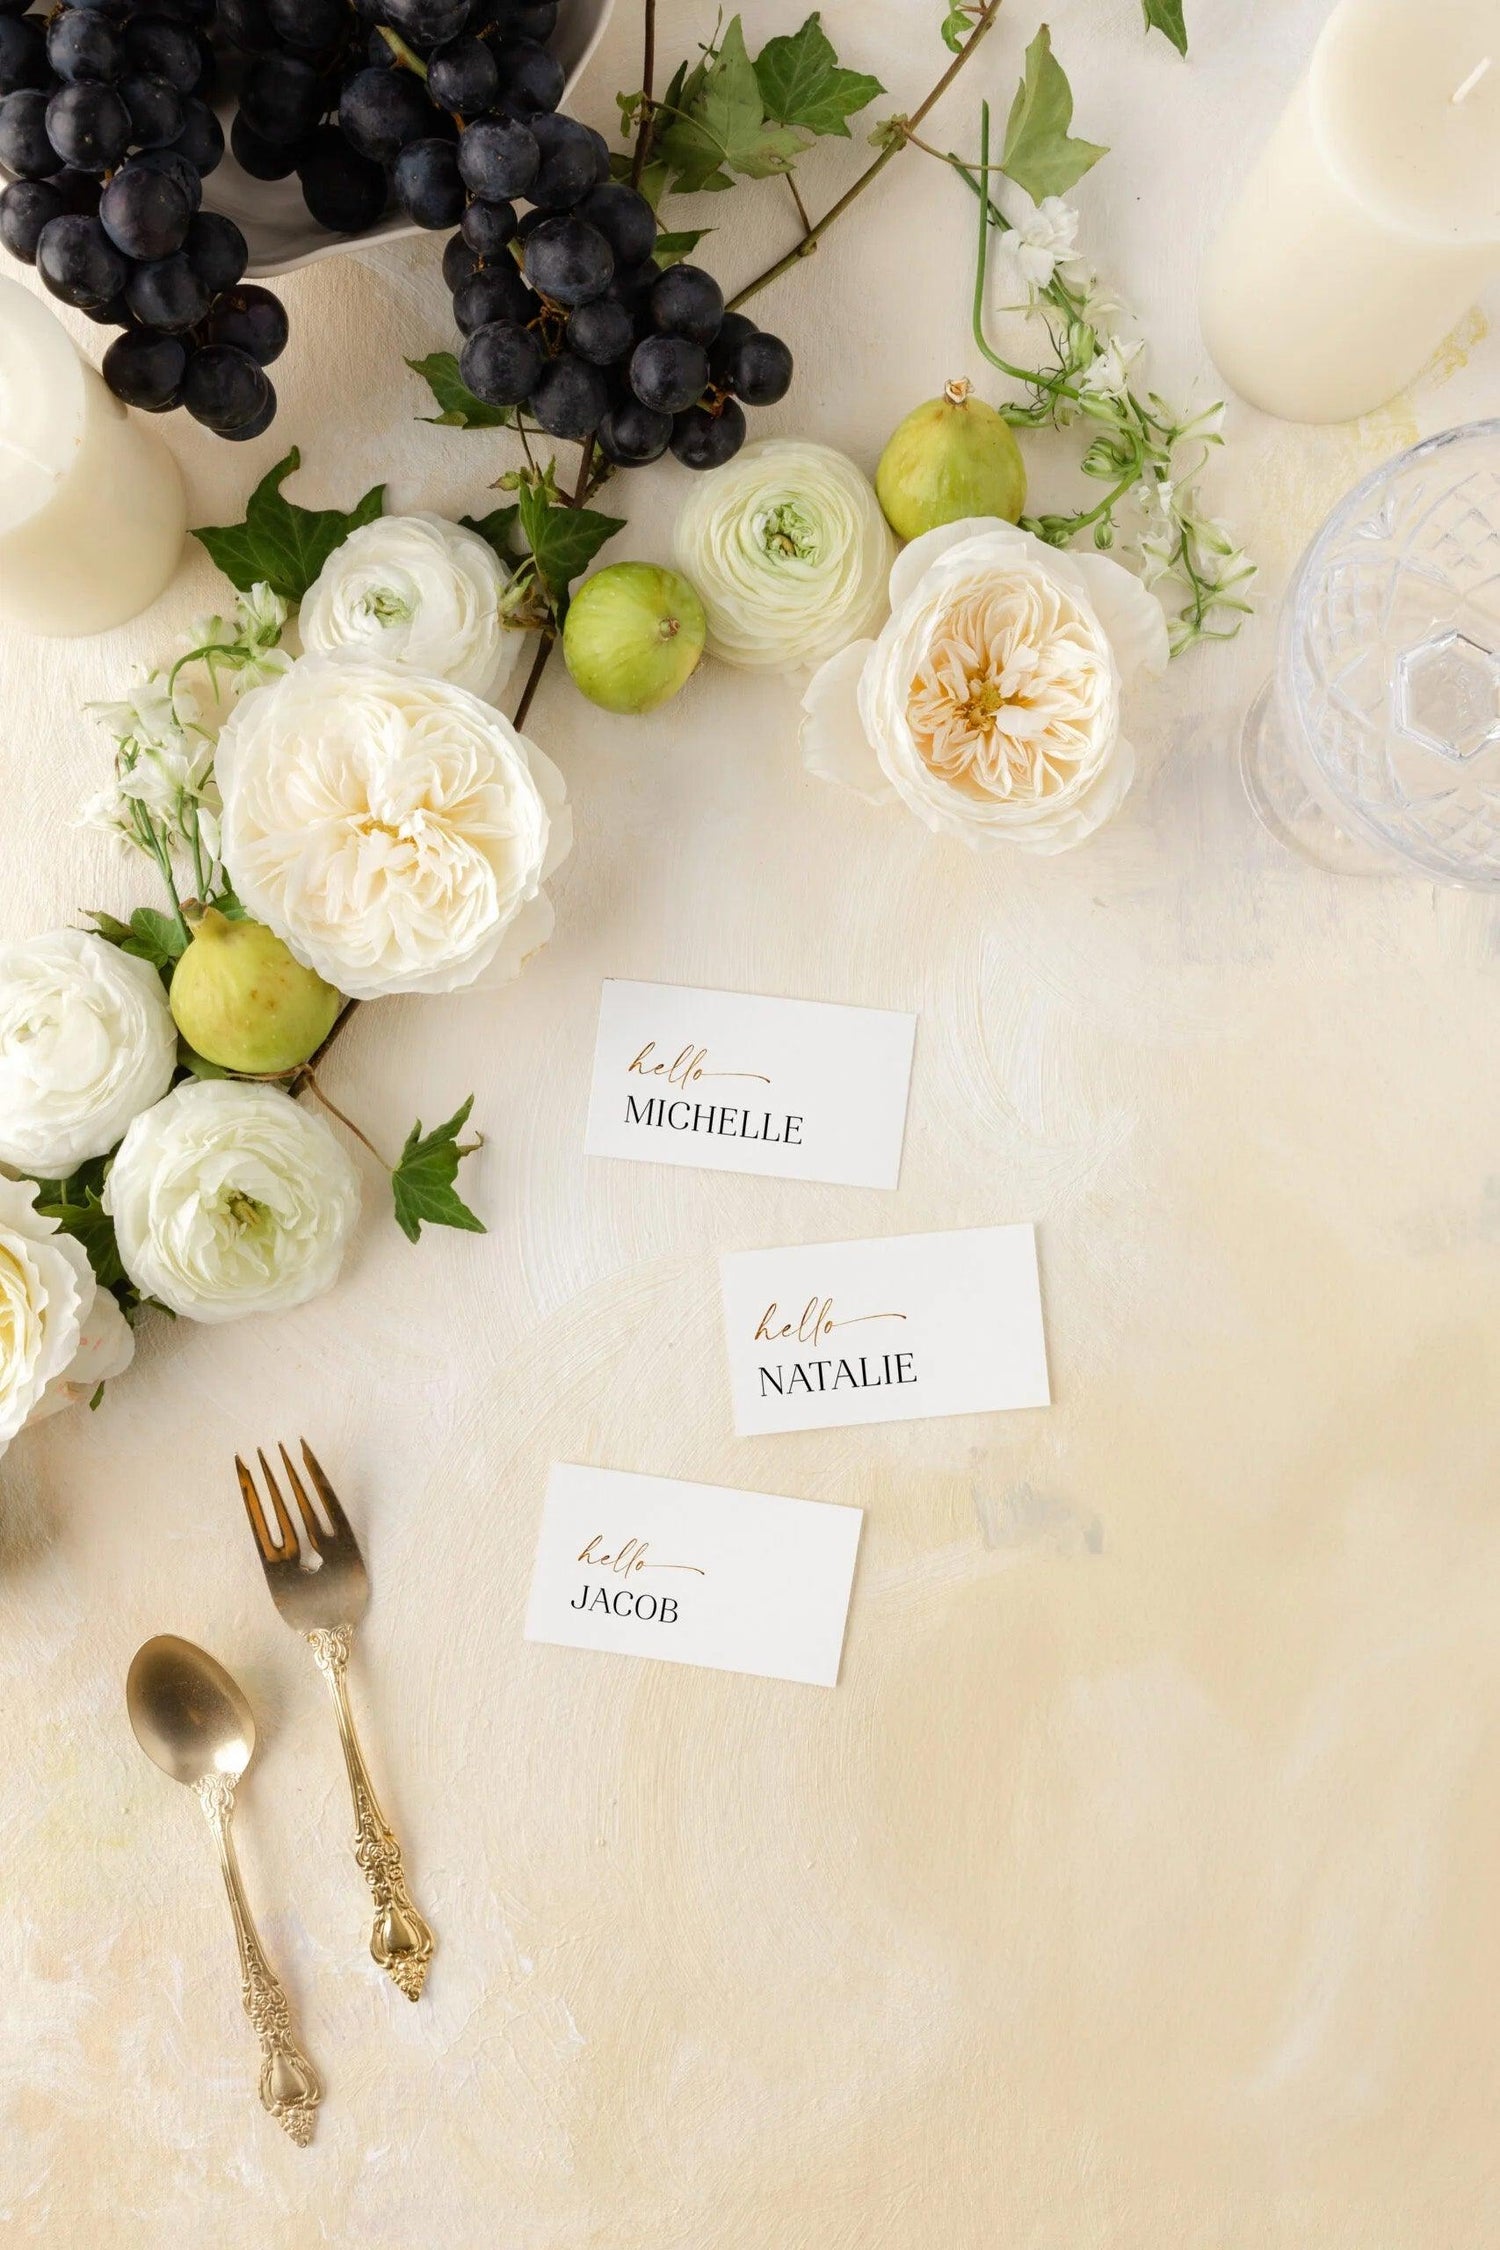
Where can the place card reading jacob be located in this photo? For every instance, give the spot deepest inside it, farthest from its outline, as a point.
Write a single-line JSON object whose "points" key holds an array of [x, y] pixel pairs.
{"points": [[694, 1574], [735, 1082], [897, 1330]]}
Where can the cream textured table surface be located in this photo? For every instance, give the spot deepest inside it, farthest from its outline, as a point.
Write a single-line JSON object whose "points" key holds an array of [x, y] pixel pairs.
{"points": [[1136, 1886]]}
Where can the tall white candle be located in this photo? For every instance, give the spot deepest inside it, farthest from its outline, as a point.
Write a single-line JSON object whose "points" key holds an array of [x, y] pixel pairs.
{"points": [[92, 512], [1371, 222]]}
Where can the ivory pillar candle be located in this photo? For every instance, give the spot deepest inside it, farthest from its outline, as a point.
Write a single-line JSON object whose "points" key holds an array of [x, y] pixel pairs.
{"points": [[1371, 222], [92, 511]]}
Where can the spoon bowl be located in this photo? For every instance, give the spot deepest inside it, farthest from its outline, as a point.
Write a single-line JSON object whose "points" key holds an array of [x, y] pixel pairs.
{"points": [[188, 1715]]}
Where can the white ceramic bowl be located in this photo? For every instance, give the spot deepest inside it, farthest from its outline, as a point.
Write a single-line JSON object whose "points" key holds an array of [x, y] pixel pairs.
{"points": [[273, 217]]}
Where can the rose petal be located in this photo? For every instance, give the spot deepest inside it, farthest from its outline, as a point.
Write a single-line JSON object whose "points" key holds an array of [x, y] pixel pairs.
{"points": [[913, 563], [832, 735], [1132, 617]]}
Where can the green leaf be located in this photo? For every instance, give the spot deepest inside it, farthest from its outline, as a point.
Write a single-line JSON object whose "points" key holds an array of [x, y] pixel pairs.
{"points": [[460, 409], [1039, 155], [196, 1065], [670, 249], [78, 1207], [563, 540], [956, 26], [422, 1183], [497, 529], [1166, 16], [721, 124], [149, 935], [280, 542], [802, 83]]}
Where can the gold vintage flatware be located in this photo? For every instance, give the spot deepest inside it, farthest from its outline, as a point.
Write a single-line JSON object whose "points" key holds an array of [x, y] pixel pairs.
{"points": [[191, 1719], [324, 1601]]}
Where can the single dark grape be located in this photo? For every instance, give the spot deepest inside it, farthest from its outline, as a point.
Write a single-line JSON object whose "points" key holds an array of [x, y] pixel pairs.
{"points": [[733, 329], [307, 27], [145, 369], [251, 319], [488, 227], [257, 422], [602, 162], [199, 13], [688, 302], [247, 24], [459, 261], [427, 184], [532, 80], [705, 440], [173, 162], [569, 398], [428, 23], [78, 262], [25, 208], [23, 54], [630, 434], [624, 218], [14, 7], [566, 173], [464, 75], [144, 212], [501, 363], [281, 98], [159, 48], [223, 388], [760, 371], [80, 191], [498, 158], [89, 126], [343, 190], [25, 150], [113, 313], [669, 373], [157, 112], [260, 158], [381, 110], [529, 221], [568, 262], [537, 20], [81, 46], [633, 286], [601, 331], [217, 251], [493, 293], [167, 294], [201, 140]]}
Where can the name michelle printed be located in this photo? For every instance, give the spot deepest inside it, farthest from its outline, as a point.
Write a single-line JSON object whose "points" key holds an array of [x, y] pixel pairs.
{"points": [[675, 1112]]}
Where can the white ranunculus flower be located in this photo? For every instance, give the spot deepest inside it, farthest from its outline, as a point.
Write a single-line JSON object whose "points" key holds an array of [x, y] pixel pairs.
{"points": [[789, 551], [394, 831], [60, 1334], [86, 1042], [229, 1199], [416, 591], [990, 704]]}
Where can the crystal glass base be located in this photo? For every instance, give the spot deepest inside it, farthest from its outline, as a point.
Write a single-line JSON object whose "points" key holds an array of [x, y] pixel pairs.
{"points": [[1287, 808]]}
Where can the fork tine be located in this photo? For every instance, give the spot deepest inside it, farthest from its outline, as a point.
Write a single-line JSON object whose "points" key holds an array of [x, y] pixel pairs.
{"points": [[269, 1550], [330, 1499], [290, 1548], [317, 1536]]}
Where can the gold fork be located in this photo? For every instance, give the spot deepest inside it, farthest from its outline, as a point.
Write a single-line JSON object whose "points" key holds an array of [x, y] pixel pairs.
{"points": [[325, 1601]]}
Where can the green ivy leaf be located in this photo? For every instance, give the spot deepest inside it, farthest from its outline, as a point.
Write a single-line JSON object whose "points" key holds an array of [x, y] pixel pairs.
{"points": [[956, 26], [1166, 16], [77, 1204], [497, 529], [1039, 155], [802, 83], [459, 408], [149, 935], [721, 124], [422, 1183], [279, 542], [563, 540], [671, 249]]}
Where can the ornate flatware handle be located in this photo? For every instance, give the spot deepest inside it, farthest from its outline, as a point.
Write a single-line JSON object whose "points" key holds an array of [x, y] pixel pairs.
{"points": [[400, 1940], [290, 2089]]}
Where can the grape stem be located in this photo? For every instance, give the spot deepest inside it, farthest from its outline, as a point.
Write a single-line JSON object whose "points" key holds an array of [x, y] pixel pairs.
{"points": [[898, 141], [648, 106], [548, 639]]}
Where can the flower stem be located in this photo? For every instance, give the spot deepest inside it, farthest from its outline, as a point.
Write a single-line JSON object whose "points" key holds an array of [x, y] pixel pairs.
{"points": [[648, 106], [310, 1080], [872, 172]]}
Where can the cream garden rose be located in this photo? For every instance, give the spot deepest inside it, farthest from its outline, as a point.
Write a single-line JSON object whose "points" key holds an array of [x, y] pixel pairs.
{"points": [[86, 1042], [788, 550], [419, 592], [991, 702], [60, 1334], [230, 1199], [392, 829]]}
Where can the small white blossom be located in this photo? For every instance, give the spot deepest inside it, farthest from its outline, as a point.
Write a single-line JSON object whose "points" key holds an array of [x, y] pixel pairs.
{"points": [[1041, 238], [1111, 374]]}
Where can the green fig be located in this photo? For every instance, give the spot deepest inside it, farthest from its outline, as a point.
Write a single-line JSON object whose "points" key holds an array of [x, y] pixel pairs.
{"points": [[952, 458], [634, 634], [240, 999]]}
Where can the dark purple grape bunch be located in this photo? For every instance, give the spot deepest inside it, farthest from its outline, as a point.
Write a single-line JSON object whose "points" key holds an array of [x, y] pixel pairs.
{"points": [[106, 136]]}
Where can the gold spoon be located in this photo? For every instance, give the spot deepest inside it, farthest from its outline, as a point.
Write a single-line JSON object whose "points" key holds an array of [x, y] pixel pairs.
{"points": [[191, 1719]]}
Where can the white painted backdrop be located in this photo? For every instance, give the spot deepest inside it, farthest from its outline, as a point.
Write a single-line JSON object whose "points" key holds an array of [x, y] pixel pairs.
{"points": [[1135, 1889]]}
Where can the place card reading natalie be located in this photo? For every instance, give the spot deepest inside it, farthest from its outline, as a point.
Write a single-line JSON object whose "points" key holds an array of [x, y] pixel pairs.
{"points": [[895, 1330], [694, 1574], [736, 1082]]}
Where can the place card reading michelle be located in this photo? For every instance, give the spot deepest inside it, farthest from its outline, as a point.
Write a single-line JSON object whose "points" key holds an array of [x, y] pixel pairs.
{"points": [[736, 1082], [896, 1330], [694, 1574]]}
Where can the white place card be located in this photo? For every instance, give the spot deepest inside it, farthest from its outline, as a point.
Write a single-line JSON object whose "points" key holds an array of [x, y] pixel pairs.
{"points": [[694, 1574], [896, 1330], [735, 1082]]}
